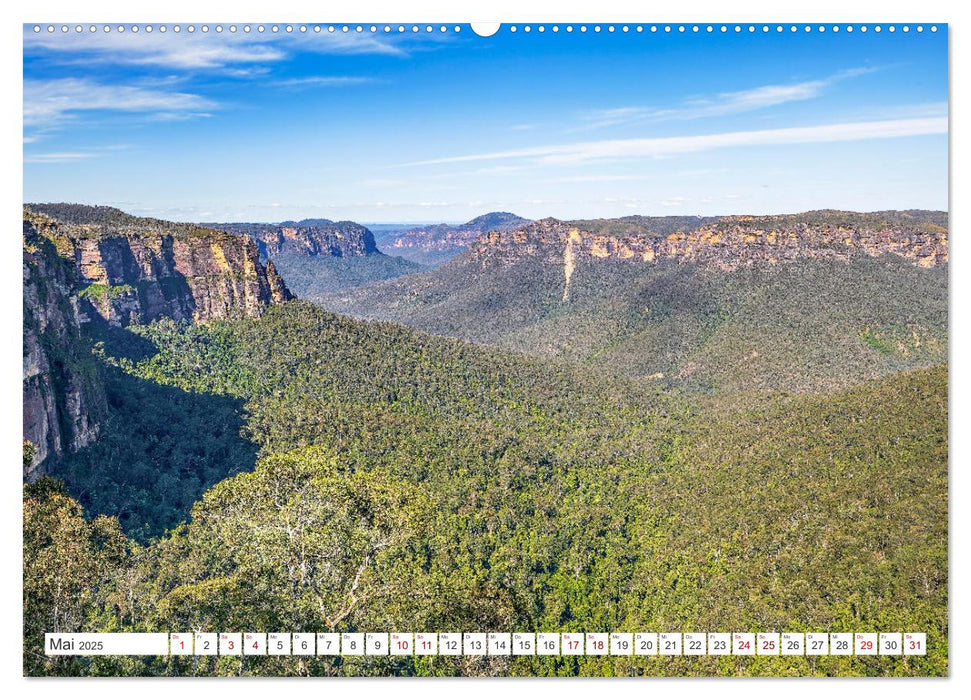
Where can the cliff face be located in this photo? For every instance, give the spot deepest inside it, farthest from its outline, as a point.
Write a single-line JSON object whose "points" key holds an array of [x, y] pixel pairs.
{"points": [[63, 400], [83, 264], [727, 243], [133, 270], [445, 237], [311, 237]]}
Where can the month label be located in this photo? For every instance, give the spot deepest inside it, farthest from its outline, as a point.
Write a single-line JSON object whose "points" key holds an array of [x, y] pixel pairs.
{"points": [[106, 643]]}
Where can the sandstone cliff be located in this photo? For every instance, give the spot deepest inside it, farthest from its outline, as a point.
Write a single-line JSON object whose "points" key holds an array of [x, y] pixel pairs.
{"points": [[726, 243], [441, 237], [63, 400], [86, 264], [311, 237], [135, 270]]}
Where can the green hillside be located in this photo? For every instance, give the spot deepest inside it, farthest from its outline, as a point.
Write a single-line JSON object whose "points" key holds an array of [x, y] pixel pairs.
{"points": [[313, 275], [806, 326], [407, 482]]}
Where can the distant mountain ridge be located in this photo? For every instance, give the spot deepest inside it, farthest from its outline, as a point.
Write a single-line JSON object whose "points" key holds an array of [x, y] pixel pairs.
{"points": [[437, 243], [318, 256], [725, 243], [307, 237], [802, 302]]}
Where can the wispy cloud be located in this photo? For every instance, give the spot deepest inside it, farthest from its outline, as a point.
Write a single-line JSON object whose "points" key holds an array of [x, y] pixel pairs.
{"points": [[208, 51], [323, 81], [575, 153], [83, 153], [56, 157], [722, 104], [169, 50], [48, 103]]}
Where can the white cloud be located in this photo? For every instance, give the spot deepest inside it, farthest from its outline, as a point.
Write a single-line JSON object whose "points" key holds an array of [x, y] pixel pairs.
{"points": [[204, 51], [56, 157], [323, 81], [723, 104], [575, 153], [50, 102], [170, 50]]}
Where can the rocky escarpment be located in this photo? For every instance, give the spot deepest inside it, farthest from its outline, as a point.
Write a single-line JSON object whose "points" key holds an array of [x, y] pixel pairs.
{"points": [[136, 270], [85, 264], [309, 237], [63, 400], [727, 243], [445, 237]]}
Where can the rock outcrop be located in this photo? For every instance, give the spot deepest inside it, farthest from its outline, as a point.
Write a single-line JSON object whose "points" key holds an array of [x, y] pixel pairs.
{"points": [[135, 270], [441, 237], [63, 399], [727, 243], [341, 239], [87, 264]]}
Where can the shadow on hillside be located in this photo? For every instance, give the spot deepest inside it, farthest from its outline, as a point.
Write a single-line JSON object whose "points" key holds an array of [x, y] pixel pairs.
{"points": [[159, 450]]}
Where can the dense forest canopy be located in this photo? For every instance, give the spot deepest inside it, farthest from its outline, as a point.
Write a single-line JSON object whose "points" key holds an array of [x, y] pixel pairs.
{"points": [[669, 447], [466, 489]]}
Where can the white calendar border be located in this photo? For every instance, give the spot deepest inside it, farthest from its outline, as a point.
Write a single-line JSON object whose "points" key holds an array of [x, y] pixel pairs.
{"points": [[509, 11]]}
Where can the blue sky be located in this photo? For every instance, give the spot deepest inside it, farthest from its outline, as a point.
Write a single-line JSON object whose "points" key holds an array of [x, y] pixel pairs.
{"points": [[445, 126]]}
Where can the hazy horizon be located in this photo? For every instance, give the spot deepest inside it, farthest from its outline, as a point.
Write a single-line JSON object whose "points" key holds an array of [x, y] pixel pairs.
{"points": [[456, 222]]}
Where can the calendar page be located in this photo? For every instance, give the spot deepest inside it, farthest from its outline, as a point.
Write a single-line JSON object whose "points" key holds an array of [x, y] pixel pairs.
{"points": [[443, 349]]}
